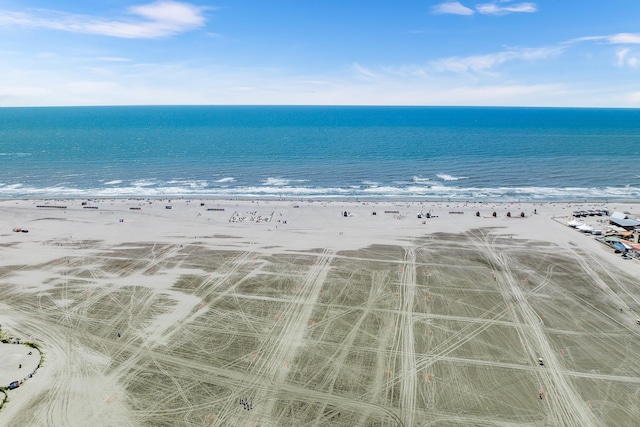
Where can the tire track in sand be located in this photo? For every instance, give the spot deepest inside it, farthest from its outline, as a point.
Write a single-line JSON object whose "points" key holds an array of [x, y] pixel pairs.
{"points": [[566, 406], [277, 354], [405, 341]]}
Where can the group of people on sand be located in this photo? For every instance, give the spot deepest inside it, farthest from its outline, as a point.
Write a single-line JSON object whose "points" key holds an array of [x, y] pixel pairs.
{"points": [[248, 404]]}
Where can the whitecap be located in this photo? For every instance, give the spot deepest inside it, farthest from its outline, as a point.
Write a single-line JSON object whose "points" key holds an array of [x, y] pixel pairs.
{"points": [[276, 181], [143, 183], [188, 183], [8, 187], [446, 177], [225, 180], [420, 180], [416, 191]]}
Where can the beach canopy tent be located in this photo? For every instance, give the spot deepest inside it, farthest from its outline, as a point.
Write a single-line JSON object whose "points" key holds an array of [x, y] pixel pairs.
{"points": [[611, 239], [619, 246], [585, 228], [574, 223]]}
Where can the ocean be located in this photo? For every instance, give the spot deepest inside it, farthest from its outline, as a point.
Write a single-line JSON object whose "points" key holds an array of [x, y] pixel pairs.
{"points": [[306, 152]]}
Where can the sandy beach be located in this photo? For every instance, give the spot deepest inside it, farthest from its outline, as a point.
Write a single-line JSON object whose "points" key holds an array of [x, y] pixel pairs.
{"points": [[173, 312]]}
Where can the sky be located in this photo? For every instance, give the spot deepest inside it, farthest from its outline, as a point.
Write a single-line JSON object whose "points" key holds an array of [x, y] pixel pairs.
{"points": [[554, 53]]}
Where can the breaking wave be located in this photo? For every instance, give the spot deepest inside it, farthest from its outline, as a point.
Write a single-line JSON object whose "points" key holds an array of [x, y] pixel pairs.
{"points": [[446, 177], [283, 189], [420, 180], [225, 180]]}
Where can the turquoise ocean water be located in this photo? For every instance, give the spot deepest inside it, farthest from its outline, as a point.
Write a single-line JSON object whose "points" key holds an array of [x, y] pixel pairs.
{"points": [[409, 153]]}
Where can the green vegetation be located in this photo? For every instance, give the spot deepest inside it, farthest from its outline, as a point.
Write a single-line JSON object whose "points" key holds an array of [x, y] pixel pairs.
{"points": [[3, 336], [4, 396]]}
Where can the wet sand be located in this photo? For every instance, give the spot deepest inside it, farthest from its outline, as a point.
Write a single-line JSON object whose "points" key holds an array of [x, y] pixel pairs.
{"points": [[156, 316]]}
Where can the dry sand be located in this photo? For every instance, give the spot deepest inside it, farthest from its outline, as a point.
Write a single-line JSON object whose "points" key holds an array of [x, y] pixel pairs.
{"points": [[316, 318]]}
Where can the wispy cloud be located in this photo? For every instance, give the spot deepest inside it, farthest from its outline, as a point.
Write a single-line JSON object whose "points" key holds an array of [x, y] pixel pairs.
{"points": [[315, 82], [159, 19], [619, 38], [625, 38], [485, 63], [501, 7], [504, 8], [363, 72], [113, 59], [627, 59], [451, 8]]}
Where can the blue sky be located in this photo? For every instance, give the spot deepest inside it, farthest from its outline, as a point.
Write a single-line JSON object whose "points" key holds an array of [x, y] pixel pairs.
{"points": [[583, 53]]}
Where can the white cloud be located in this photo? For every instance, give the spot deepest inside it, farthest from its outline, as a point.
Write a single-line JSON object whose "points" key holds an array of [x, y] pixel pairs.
{"points": [[627, 59], [485, 63], [621, 54], [363, 72], [113, 59], [624, 38], [451, 8], [501, 7], [314, 82], [496, 9], [154, 84], [620, 38], [159, 19]]}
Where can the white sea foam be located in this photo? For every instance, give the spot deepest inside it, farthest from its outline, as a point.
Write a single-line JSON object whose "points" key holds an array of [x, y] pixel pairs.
{"points": [[114, 182], [287, 191], [144, 183], [446, 177], [420, 180], [276, 181], [192, 184], [409, 192], [225, 180], [13, 186]]}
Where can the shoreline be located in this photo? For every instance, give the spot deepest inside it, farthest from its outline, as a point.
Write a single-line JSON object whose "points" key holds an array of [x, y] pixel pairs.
{"points": [[328, 199]]}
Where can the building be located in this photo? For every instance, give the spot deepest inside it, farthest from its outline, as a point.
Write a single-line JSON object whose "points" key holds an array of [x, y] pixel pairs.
{"points": [[623, 220]]}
